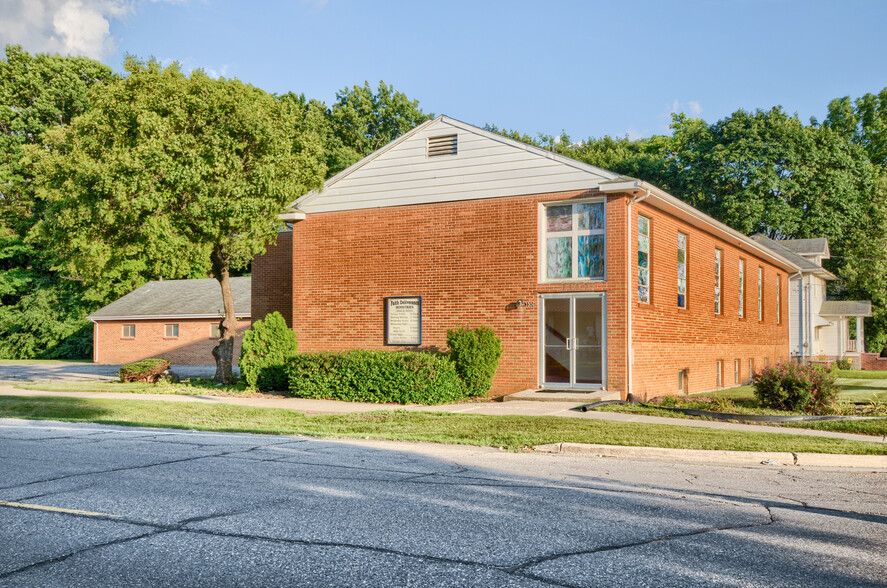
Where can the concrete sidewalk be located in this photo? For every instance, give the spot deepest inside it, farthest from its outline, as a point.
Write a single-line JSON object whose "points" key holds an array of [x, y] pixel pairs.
{"points": [[519, 408]]}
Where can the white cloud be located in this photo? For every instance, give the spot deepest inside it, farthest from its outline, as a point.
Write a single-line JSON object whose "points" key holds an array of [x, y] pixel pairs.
{"points": [[693, 108], [69, 27]]}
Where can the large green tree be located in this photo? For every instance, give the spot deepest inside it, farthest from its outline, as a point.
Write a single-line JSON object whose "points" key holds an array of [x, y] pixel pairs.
{"points": [[41, 314], [168, 174]]}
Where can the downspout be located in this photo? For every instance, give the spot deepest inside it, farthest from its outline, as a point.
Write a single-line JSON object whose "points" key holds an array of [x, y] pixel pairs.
{"points": [[629, 389]]}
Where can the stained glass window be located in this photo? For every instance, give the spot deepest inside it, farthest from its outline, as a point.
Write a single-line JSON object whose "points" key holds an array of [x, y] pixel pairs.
{"points": [[560, 218], [779, 299], [643, 259], [717, 281], [560, 257], [575, 241], [760, 293], [741, 288], [682, 270]]}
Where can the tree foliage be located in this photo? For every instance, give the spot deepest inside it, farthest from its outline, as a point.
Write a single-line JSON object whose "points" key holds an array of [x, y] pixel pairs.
{"points": [[363, 121], [41, 314], [173, 175]]}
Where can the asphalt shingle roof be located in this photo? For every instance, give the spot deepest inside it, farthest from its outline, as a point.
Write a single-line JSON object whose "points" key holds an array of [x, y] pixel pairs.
{"points": [[779, 247], [817, 246], [178, 298]]}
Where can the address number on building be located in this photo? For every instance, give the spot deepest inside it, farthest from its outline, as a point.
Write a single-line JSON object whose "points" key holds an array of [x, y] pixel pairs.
{"points": [[403, 320]]}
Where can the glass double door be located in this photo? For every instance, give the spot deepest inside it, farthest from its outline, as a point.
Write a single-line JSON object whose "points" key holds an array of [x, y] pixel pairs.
{"points": [[573, 341]]}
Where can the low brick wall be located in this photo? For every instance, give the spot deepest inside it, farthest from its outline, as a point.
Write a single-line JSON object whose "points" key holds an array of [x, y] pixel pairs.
{"points": [[873, 361]]}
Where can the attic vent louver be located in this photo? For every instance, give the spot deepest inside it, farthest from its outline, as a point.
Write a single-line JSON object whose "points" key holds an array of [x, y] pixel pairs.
{"points": [[444, 145]]}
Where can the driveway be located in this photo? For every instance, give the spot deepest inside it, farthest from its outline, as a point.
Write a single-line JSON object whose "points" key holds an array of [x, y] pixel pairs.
{"points": [[70, 371]]}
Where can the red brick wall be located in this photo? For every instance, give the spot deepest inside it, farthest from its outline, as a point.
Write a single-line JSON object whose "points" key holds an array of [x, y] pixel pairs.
{"points": [[668, 339], [468, 260], [272, 280], [872, 361], [192, 347]]}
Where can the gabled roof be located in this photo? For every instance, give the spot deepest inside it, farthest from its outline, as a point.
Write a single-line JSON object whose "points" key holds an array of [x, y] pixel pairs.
{"points": [[846, 308], [485, 165], [818, 246], [170, 299], [805, 264]]}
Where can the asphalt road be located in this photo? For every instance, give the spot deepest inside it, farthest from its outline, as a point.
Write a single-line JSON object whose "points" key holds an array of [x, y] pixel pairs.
{"points": [[90, 505]]}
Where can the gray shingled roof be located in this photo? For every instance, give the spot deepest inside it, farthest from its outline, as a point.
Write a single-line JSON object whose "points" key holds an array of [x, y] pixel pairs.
{"points": [[779, 247], [178, 298], [846, 308], [817, 246]]}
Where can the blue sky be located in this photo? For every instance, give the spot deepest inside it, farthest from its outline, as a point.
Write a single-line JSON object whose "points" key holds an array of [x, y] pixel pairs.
{"points": [[591, 68]]}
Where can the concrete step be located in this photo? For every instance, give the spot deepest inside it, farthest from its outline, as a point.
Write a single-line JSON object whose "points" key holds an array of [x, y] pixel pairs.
{"points": [[577, 396]]}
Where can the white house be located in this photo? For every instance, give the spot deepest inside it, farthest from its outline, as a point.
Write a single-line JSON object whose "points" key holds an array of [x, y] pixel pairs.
{"points": [[820, 329]]}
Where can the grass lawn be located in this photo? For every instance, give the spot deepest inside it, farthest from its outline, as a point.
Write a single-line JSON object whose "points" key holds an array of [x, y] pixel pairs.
{"points": [[192, 387], [510, 432]]}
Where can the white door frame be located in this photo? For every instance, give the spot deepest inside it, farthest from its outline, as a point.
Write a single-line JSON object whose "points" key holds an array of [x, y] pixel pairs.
{"points": [[572, 296]]}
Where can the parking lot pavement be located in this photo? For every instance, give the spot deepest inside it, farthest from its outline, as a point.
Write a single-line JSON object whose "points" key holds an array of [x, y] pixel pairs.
{"points": [[87, 505], [70, 371]]}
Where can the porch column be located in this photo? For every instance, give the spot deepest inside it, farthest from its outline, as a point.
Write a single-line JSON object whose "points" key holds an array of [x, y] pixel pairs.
{"points": [[860, 339]]}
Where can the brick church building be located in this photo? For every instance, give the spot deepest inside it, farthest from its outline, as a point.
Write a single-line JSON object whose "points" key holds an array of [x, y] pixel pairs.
{"points": [[592, 281]]}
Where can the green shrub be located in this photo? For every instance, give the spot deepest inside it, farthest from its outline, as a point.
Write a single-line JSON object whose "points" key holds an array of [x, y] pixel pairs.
{"points": [[265, 349], [147, 370], [843, 364], [475, 353], [404, 377], [792, 387]]}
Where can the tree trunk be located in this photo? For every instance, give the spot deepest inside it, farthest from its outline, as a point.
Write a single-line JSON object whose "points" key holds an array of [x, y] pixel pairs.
{"points": [[224, 351]]}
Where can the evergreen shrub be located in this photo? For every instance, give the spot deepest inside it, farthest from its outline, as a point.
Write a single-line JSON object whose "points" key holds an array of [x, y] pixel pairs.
{"points": [[147, 370], [475, 353], [797, 388], [404, 377], [265, 349], [843, 364]]}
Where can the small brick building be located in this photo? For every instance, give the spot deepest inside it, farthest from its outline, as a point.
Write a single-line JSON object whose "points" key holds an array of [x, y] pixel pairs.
{"points": [[177, 320], [593, 281]]}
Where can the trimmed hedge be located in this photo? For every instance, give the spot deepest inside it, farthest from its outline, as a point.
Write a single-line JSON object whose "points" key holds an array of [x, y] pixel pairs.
{"points": [[264, 352], [475, 352], [404, 377], [147, 370], [793, 387]]}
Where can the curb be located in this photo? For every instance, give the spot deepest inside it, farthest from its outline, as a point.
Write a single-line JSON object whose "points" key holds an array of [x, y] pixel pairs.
{"points": [[719, 457]]}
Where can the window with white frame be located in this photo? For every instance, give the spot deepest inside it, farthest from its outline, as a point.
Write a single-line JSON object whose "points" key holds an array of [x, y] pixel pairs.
{"points": [[128, 332], [778, 299], [760, 293], [717, 281], [741, 288], [751, 368], [719, 366], [682, 381], [575, 236], [171, 331], [735, 371], [682, 270], [643, 259]]}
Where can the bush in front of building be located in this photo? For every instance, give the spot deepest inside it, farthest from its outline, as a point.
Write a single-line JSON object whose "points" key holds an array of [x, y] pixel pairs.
{"points": [[796, 388], [403, 377], [475, 353], [265, 349], [843, 364], [147, 370]]}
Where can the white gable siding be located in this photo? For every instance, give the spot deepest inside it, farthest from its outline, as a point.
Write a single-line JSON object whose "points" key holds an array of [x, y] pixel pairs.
{"points": [[484, 167]]}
